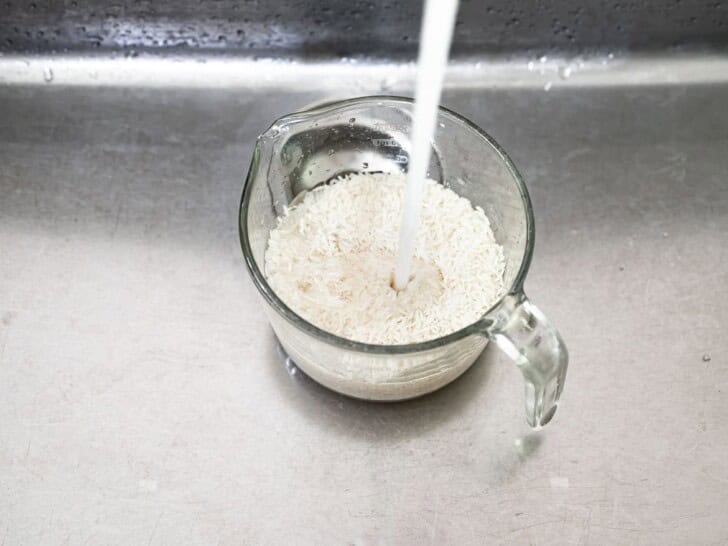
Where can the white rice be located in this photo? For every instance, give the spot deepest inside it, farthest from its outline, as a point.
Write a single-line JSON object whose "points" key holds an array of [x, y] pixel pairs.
{"points": [[330, 259]]}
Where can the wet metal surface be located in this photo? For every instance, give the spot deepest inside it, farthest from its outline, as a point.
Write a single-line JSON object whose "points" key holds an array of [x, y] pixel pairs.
{"points": [[143, 398], [379, 28]]}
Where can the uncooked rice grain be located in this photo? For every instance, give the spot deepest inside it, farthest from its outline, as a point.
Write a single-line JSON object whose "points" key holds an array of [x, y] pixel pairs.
{"points": [[330, 259]]}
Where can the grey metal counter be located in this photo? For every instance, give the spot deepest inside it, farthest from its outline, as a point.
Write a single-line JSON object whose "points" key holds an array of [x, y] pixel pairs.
{"points": [[143, 399]]}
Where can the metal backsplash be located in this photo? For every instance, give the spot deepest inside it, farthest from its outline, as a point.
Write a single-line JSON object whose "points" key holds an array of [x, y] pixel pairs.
{"points": [[380, 28]]}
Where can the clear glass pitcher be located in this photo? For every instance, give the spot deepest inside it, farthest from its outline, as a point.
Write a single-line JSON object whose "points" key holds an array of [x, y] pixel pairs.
{"points": [[372, 134]]}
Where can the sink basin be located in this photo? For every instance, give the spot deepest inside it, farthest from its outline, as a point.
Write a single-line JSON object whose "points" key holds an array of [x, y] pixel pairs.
{"points": [[143, 396]]}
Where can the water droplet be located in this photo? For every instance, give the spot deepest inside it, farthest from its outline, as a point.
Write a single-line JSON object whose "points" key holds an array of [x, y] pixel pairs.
{"points": [[387, 83], [706, 357], [621, 268], [610, 56], [331, 151], [48, 75], [664, 234], [564, 72], [365, 165], [291, 366], [548, 86], [531, 66], [442, 125], [352, 121], [543, 59]]}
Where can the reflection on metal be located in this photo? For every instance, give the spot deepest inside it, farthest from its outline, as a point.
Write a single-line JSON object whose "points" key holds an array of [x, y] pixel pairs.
{"points": [[347, 79]]}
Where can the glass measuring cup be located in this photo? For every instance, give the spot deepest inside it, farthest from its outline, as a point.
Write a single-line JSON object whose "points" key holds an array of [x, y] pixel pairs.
{"points": [[371, 134]]}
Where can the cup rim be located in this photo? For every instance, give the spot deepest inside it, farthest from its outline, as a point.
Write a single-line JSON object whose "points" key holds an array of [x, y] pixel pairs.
{"points": [[477, 327]]}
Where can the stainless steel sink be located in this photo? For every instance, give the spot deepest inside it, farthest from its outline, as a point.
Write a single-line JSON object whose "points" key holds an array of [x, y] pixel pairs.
{"points": [[143, 397]]}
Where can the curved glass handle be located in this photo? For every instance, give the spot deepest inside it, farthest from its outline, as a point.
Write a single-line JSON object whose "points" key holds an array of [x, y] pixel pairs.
{"points": [[522, 331]]}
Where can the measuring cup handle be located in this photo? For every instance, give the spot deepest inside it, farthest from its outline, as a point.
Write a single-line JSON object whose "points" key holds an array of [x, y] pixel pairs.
{"points": [[522, 331]]}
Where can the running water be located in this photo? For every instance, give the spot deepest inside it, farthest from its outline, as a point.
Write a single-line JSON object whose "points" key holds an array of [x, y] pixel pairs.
{"points": [[435, 38]]}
